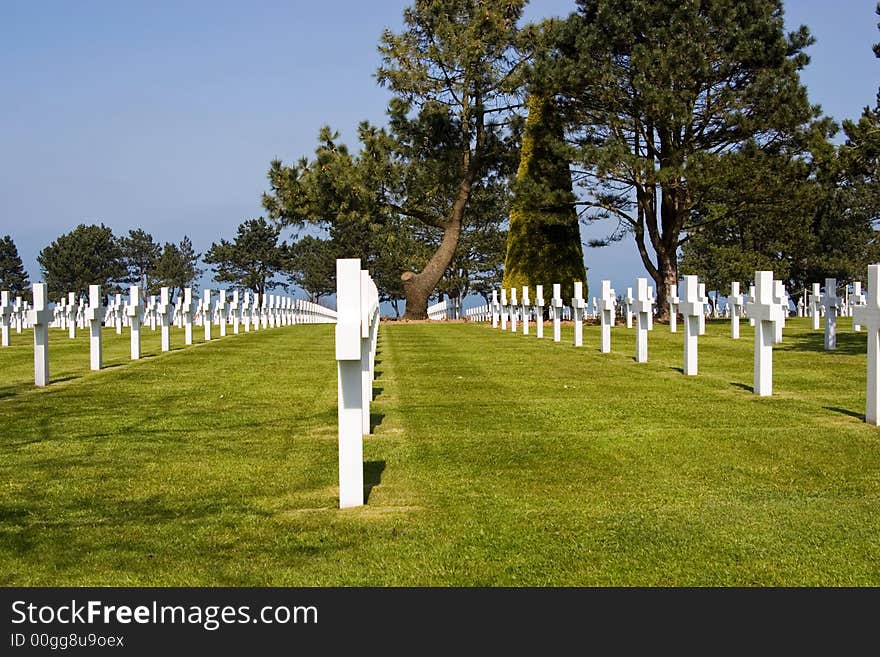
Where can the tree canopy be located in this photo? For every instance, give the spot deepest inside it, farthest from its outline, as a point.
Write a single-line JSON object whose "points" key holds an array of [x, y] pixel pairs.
{"points": [[87, 255], [455, 70], [177, 267], [655, 93], [13, 276], [252, 259]]}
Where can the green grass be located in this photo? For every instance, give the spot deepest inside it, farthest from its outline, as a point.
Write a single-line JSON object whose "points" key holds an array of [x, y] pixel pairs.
{"points": [[497, 459]]}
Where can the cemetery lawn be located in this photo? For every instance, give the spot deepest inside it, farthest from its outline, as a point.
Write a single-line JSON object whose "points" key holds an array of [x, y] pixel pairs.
{"points": [[496, 460]]}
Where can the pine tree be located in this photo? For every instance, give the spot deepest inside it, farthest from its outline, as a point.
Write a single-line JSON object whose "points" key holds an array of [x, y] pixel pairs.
{"points": [[87, 255], [655, 92], [13, 277], [543, 242]]}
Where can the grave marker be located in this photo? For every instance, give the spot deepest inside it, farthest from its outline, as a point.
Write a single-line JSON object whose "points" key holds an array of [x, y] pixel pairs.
{"points": [[578, 306], [525, 309], [133, 310], [71, 315], [40, 316], [348, 358], [766, 310], [163, 311], [627, 307], [857, 299], [868, 315], [781, 297], [829, 303], [539, 310], [221, 311], [94, 314], [704, 300], [606, 308], [503, 309], [643, 308], [206, 313], [557, 312], [188, 310], [673, 308], [815, 300], [513, 305], [691, 308], [5, 315], [734, 302]]}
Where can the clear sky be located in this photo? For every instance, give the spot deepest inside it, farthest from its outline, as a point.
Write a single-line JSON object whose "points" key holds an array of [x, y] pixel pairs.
{"points": [[164, 115]]}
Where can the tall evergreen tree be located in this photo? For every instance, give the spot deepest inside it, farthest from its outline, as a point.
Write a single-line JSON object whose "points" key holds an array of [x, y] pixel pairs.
{"points": [[177, 266], [655, 91], [13, 276], [252, 259], [311, 264], [140, 254], [87, 255], [455, 71], [544, 240]]}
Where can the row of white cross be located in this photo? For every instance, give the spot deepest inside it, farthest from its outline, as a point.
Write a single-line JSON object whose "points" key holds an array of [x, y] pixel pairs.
{"points": [[504, 311], [12, 315], [94, 314], [767, 306], [357, 329]]}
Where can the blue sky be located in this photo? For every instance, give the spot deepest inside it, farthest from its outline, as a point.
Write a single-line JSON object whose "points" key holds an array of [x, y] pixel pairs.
{"points": [[165, 115]]}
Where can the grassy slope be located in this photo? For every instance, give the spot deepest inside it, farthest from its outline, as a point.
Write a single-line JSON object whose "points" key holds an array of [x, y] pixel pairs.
{"points": [[498, 459]]}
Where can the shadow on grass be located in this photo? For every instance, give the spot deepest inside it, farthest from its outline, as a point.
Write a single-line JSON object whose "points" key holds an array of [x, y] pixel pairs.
{"points": [[372, 477], [848, 343], [376, 420], [744, 386], [377, 391], [845, 411]]}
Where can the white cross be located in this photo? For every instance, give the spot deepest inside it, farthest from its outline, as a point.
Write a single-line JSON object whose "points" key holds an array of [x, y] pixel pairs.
{"points": [[40, 316], [857, 299], [673, 300], [234, 309], [578, 306], [206, 313], [868, 316], [5, 314], [188, 311], [71, 314], [557, 312], [705, 301], [781, 296], [163, 312], [94, 313], [644, 320], [503, 309], [627, 307], [815, 300], [350, 382], [494, 308], [766, 310], [607, 303], [691, 308], [221, 312], [734, 302], [525, 309], [133, 310], [539, 310], [830, 303]]}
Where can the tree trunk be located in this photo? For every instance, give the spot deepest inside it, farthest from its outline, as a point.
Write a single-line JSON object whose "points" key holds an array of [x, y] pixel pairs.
{"points": [[418, 287], [667, 274]]}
